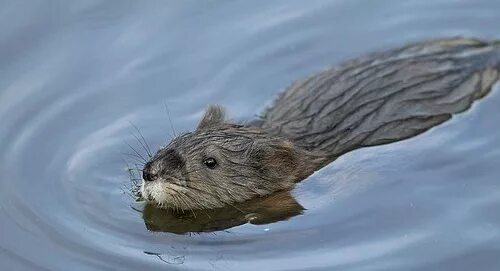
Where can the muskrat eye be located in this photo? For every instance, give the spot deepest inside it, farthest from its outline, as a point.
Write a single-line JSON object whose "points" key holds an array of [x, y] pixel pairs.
{"points": [[210, 163]]}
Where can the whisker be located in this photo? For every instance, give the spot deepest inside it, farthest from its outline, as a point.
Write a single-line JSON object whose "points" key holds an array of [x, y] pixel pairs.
{"points": [[200, 204], [144, 147], [173, 193], [144, 143], [135, 169], [134, 157], [186, 203], [134, 187], [178, 200], [228, 203], [170, 119], [136, 152], [135, 209], [178, 196]]}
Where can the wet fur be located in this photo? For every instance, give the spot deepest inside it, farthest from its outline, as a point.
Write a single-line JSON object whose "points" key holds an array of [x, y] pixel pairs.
{"points": [[250, 163], [373, 100]]}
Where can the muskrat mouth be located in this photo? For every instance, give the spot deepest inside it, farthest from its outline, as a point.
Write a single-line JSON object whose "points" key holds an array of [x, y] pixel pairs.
{"points": [[167, 194]]}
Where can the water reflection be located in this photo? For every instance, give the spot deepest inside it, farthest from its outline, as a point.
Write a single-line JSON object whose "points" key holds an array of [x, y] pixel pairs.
{"points": [[276, 207]]}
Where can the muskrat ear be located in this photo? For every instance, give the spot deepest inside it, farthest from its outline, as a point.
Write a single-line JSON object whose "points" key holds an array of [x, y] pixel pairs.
{"points": [[214, 116], [285, 161], [276, 159]]}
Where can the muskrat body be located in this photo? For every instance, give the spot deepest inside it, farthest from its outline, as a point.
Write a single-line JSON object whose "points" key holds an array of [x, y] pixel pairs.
{"points": [[373, 100]]}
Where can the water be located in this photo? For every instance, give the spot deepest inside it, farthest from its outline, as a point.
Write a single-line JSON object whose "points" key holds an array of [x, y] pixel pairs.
{"points": [[74, 75]]}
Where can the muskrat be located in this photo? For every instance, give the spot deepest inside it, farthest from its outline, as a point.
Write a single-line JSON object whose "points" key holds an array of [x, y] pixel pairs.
{"points": [[376, 99]]}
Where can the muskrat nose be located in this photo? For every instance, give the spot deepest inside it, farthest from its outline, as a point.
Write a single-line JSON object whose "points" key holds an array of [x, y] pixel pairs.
{"points": [[148, 176]]}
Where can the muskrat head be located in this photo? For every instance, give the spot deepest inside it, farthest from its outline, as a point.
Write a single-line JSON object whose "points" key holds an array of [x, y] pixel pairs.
{"points": [[221, 163]]}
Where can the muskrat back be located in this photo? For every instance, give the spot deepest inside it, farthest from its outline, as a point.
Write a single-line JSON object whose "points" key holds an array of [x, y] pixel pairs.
{"points": [[384, 97]]}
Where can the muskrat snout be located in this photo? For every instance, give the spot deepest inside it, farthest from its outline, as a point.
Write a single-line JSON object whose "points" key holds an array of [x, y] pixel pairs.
{"points": [[149, 176], [162, 165]]}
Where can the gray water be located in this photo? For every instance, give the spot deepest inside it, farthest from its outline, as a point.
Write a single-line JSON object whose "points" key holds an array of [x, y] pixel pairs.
{"points": [[75, 74]]}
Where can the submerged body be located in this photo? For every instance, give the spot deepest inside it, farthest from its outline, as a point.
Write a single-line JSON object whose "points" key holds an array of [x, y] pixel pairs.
{"points": [[377, 99]]}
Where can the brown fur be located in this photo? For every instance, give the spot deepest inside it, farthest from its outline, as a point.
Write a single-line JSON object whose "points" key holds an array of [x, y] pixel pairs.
{"points": [[250, 163], [377, 99]]}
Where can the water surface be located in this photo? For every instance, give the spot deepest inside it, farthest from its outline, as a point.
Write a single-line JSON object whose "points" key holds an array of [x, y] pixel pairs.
{"points": [[74, 75]]}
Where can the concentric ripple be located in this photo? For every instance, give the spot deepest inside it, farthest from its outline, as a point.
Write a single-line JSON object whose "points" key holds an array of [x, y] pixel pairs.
{"points": [[76, 77]]}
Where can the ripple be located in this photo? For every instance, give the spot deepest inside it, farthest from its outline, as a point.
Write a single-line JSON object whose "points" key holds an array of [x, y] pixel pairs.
{"points": [[75, 75]]}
